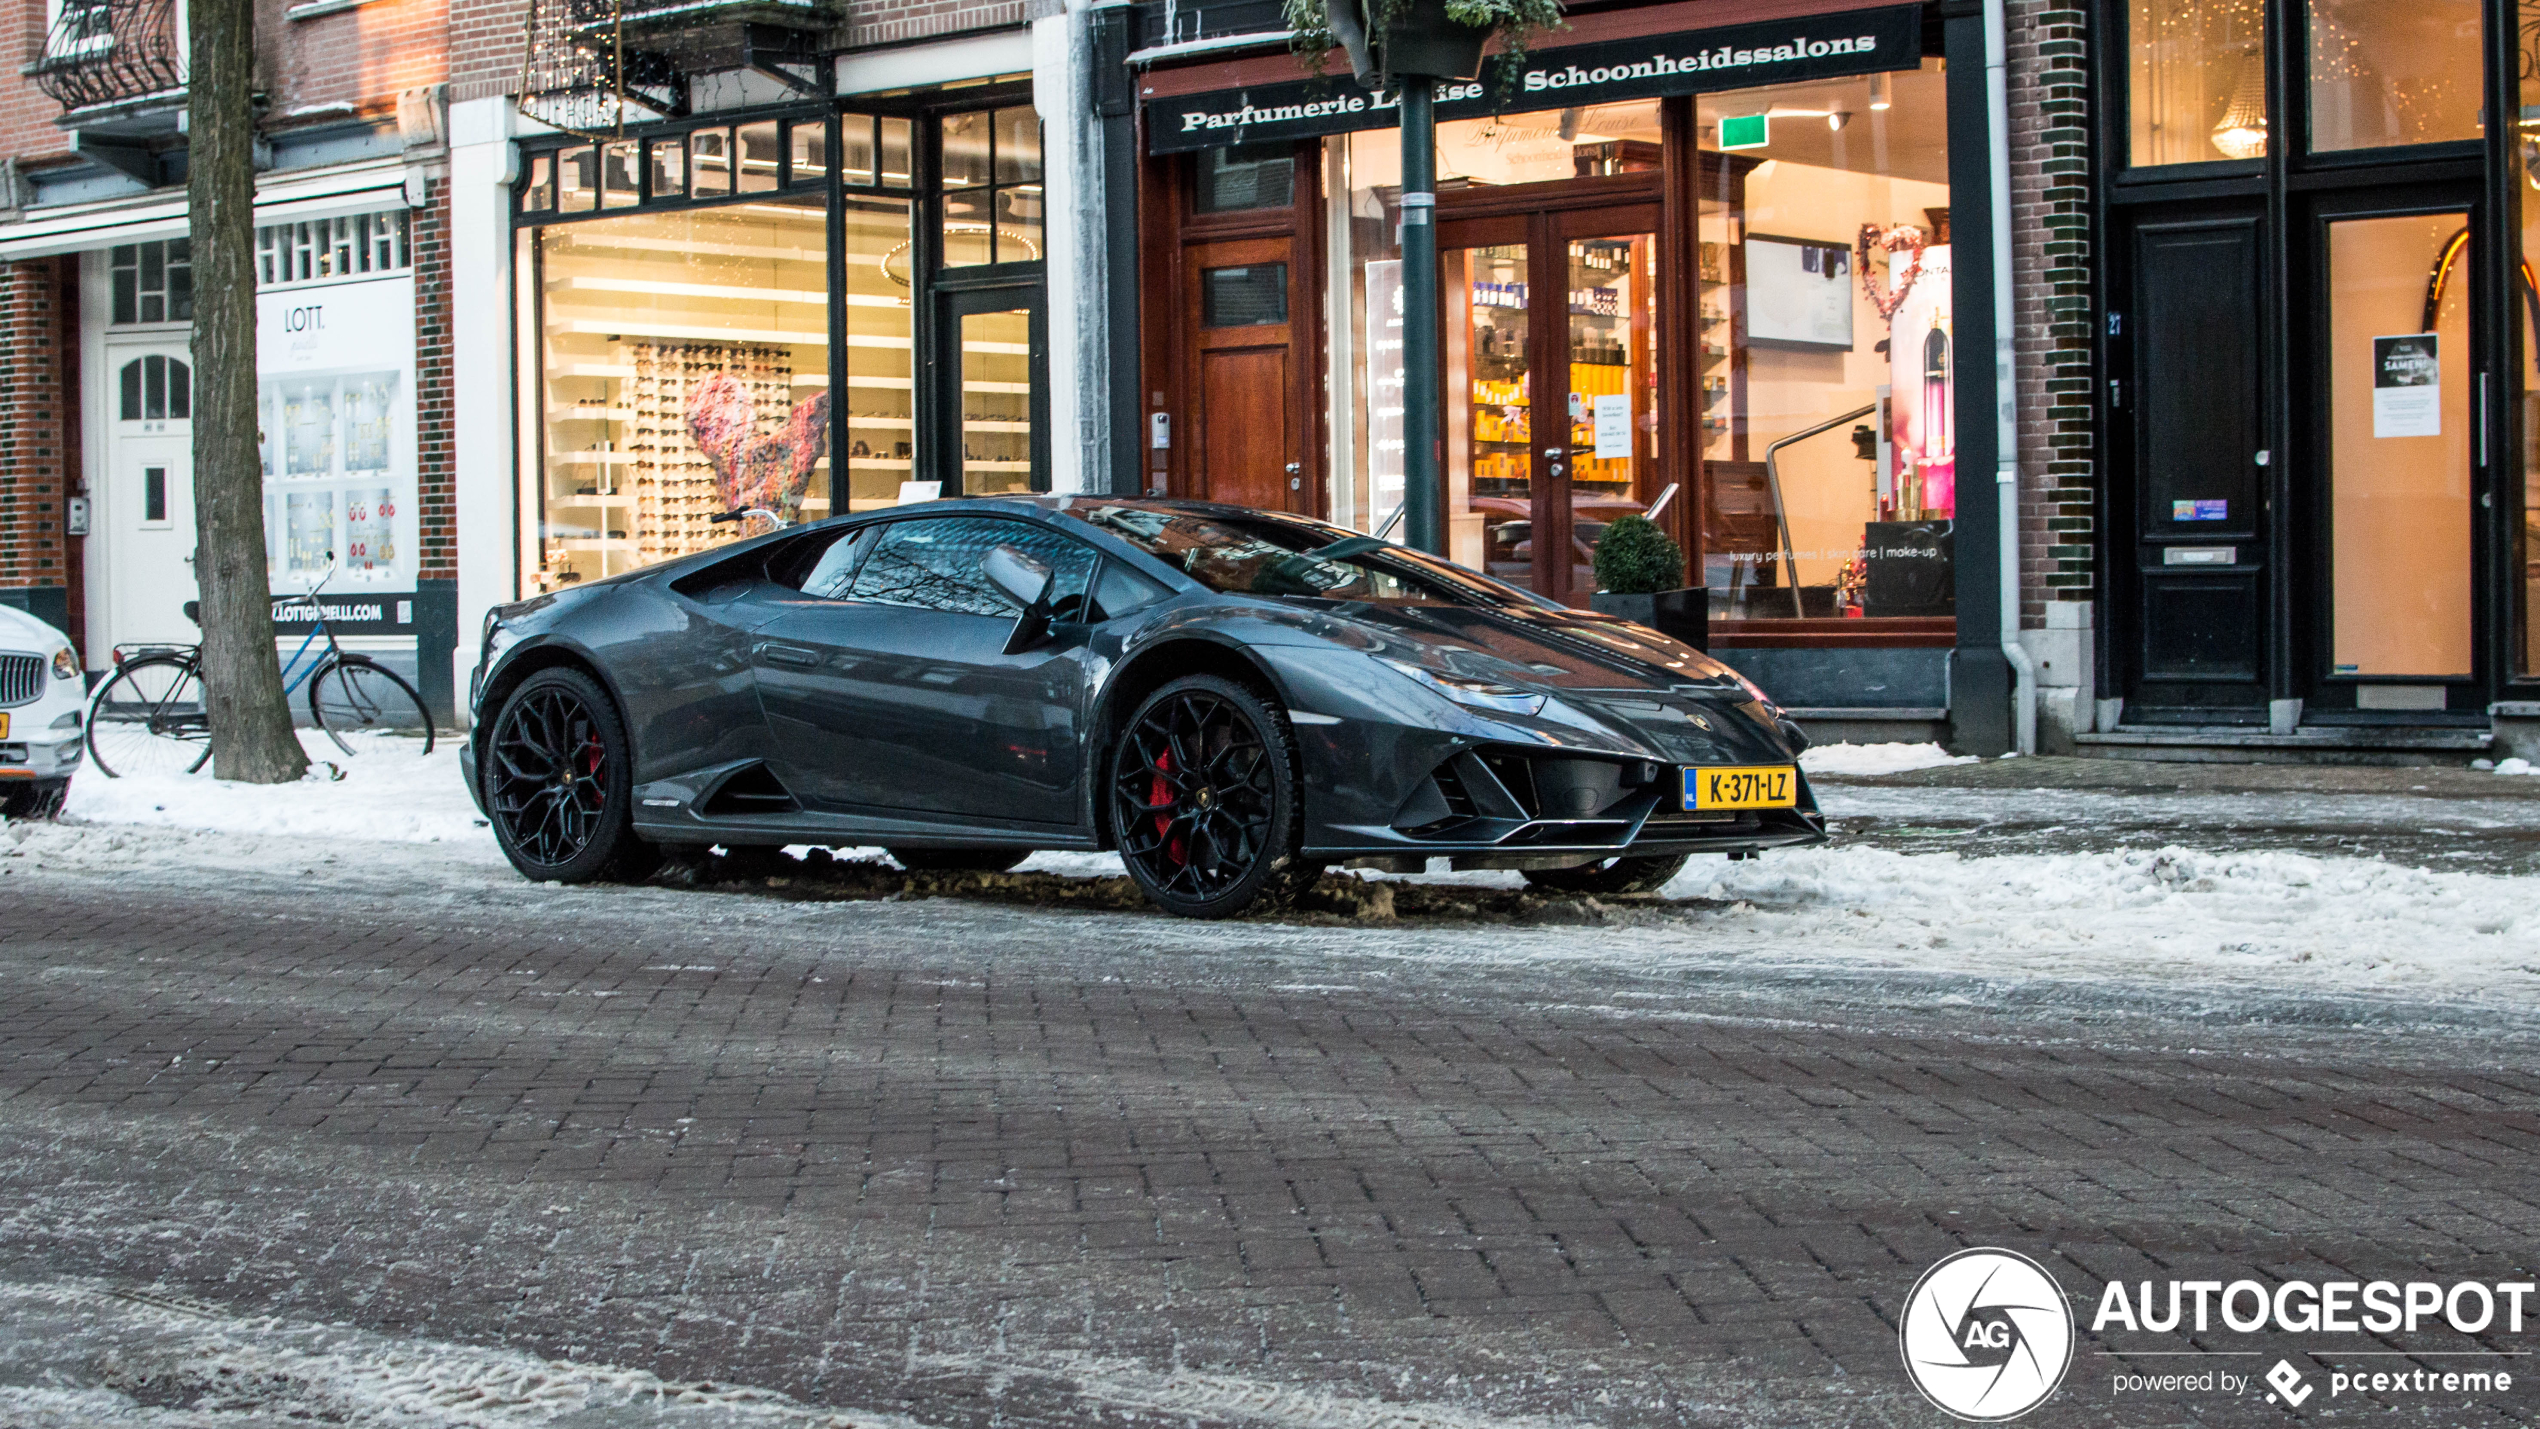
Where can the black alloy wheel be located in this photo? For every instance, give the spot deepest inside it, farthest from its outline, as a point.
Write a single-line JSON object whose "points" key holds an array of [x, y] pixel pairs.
{"points": [[1646, 873], [958, 860], [559, 780], [1205, 800]]}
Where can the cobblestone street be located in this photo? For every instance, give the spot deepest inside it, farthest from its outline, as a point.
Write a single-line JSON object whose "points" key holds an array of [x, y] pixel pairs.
{"points": [[986, 1165]]}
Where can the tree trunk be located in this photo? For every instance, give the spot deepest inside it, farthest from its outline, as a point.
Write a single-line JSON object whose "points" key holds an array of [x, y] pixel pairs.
{"points": [[252, 737]]}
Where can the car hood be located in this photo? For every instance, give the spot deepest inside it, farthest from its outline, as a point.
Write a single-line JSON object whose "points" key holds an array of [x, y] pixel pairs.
{"points": [[1548, 649], [21, 631]]}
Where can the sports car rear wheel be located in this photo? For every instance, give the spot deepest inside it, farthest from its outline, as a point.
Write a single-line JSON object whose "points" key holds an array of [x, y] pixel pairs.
{"points": [[559, 782], [958, 860], [1205, 800], [1615, 875]]}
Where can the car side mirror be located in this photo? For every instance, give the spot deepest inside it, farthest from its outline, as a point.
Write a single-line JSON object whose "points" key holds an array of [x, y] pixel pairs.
{"points": [[1027, 583]]}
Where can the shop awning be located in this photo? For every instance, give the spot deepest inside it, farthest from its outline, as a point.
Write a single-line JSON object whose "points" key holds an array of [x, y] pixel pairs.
{"points": [[75, 228], [1556, 77]]}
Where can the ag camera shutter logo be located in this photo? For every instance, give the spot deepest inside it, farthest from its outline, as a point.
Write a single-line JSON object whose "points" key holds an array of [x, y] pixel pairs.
{"points": [[1987, 1335]]}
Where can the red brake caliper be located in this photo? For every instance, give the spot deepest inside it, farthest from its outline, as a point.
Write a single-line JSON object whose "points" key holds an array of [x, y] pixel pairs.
{"points": [[1160, 796]]}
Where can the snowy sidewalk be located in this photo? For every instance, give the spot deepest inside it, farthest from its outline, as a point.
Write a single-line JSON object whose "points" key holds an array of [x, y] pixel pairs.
{"points": [[2170, 906]]}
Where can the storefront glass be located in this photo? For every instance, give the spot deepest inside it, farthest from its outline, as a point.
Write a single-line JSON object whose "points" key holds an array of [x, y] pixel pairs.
{"points": [[878, 436], [1829, 446], [2524, 313], [2384, 74], [2399, 497], [681, 366], [1585, 345], [2197, 80]]}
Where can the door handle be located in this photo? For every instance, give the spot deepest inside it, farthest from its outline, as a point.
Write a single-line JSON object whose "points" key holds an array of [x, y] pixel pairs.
{"points": [[795, 655]]}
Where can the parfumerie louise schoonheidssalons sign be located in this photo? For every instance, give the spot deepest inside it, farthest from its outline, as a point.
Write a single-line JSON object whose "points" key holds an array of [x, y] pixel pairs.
{"points": [[1556, 76]]}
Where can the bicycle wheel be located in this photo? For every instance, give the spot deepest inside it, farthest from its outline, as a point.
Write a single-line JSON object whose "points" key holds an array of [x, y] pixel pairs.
{"points": [[149, 718], [353, 696]]}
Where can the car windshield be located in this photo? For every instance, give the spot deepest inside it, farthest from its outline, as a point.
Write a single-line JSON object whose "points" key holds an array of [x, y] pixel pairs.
{"points": [[1270, 557]]}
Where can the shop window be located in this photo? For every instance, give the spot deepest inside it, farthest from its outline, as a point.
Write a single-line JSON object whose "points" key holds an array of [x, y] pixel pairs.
{"points": [[2196, 88], [873, 151], [1827, 315], [152, 282], [329, 248], [669, 158], [680, 368], [2399, 445], [807, 159], [577, 179], [1259, 176], [156, 388], [879, 436], [710, 163], [2385, 74], [618, 182], [2525, 311], [761, 158], [538, 192], [993, 193]]}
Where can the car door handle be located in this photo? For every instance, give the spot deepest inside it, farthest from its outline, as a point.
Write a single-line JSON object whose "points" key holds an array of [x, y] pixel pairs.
{"points": [[796, 655]]}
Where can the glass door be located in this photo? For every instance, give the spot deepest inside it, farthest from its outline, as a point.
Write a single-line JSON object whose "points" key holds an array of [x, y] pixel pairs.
{"points": [[993, 408], [1551, 376], [2396, 504]]}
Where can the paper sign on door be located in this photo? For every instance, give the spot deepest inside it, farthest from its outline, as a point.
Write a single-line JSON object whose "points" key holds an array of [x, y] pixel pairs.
{"points": [[2407, 386], [1613, 425]]}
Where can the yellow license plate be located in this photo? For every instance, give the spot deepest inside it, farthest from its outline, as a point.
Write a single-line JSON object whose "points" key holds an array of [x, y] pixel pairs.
{"points": [[4, 724], [1769, 786]]}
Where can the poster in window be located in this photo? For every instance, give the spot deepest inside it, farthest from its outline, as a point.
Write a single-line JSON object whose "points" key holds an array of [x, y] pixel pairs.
{"points": [[1798, 294], [2407, 385], [335, 361]]}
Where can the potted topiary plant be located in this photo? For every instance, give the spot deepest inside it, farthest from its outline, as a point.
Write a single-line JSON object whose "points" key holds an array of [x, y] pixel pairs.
{"points": [[1418, 39], [1640, 577]]}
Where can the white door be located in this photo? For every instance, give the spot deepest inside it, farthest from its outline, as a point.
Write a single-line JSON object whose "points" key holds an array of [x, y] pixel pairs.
{"points": [[147, 514]]}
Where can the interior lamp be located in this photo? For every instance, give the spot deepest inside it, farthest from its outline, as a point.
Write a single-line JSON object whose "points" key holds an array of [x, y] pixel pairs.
{"points": [[2242, 131], [1879, 101]]}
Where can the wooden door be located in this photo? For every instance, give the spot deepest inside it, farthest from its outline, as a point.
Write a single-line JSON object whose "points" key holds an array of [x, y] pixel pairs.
{"points": [[1249, 408]]}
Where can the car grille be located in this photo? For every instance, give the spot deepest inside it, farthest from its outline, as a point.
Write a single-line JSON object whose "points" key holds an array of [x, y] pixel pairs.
{"points": [[21, 678]]}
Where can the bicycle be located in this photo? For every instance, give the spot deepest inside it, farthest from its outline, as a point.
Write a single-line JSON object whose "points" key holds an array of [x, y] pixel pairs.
{"points": [[150, 715]]}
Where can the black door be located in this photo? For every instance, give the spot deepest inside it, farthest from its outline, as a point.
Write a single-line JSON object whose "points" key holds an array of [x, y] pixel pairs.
{"points": [[2191, 467], [991, 409], [899, 698]]}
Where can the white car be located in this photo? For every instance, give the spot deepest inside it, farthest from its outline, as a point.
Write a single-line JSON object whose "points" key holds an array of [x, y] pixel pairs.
{"points": [[42, 701]]}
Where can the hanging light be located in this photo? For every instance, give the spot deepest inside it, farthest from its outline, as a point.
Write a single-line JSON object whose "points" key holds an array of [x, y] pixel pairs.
{"points": [[1879, 102], [2242, 131]]}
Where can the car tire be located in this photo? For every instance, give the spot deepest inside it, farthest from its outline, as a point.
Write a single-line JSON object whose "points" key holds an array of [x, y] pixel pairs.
{"points": [[34, 798], [558, 783], [958, 860], [1192, 852], [1642, 874]]}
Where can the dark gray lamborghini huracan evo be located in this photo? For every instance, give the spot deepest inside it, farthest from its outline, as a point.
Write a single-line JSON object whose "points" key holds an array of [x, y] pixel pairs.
{"points": [[1233, 699]]}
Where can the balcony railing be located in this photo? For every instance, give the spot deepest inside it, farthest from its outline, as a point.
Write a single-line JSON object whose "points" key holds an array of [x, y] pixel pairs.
{"points": [[102, 54]]}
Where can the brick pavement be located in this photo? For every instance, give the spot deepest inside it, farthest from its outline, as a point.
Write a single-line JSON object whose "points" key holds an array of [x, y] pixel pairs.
{"points": [[988, 1166]]}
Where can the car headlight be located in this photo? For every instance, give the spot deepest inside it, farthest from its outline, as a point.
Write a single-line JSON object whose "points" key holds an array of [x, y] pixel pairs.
{"points": [[1471, 692], [65, 664]]}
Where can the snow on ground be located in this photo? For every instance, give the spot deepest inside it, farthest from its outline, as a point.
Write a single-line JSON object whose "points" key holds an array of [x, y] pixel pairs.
{"points": [[2335, 924], [85, 1355], [385, 790], [75, 1355], [1866, 759], [2158, 910]]}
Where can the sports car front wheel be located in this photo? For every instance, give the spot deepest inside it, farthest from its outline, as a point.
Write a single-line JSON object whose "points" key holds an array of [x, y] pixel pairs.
{"points": [[559, 780], [1205, 800]]}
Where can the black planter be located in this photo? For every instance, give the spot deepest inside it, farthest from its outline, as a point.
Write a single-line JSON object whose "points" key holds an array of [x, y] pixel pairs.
{"points": [[1683, 615], [1421, 43]]}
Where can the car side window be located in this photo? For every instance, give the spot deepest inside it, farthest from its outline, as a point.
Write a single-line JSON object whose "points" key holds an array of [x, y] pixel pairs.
{"points": [[826, 575], [934, 564], [1122, 590]]}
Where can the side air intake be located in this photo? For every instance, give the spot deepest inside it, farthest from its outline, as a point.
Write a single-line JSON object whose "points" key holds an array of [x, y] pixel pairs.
{"points": [[750, 789]]}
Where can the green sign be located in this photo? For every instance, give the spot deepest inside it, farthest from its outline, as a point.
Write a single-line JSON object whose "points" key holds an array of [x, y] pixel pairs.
{"points": [[1746, 131]]}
